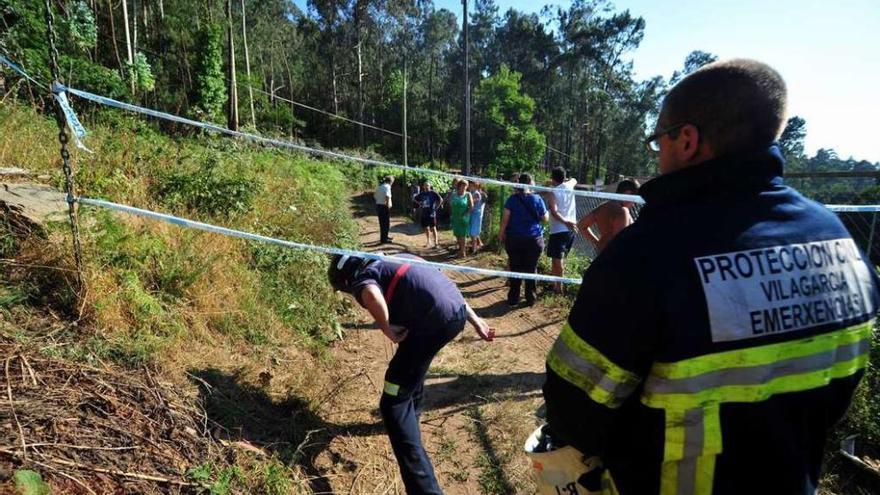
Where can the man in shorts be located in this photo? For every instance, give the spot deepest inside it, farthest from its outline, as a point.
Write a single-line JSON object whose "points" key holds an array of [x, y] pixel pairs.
{"points": [[563, 215], [610, 217], [429, 203]]}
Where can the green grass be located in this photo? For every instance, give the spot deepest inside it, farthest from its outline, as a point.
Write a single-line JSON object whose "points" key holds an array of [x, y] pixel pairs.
{"points": [[491, 478], [156, 291], [151, 284]]}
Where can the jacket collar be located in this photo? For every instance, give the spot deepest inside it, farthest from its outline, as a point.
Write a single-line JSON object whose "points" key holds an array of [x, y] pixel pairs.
{"points": [[753, 171]]}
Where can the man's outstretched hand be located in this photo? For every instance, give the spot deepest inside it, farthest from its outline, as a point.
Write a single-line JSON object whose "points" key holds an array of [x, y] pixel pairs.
{"points": [[480, 326], [395, 333], [483, 329]]}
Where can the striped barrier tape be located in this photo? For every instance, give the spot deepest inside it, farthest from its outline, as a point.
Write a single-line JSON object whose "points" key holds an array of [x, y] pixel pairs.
{"points": [[183, 222]]}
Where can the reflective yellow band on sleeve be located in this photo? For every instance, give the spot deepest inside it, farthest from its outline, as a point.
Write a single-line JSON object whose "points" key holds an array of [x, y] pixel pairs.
{"points": [[589, 370], [842, 353], [391, 389], [757, 356], [756, 393]]}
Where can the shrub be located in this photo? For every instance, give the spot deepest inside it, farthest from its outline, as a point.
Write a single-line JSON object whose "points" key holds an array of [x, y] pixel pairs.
{"points": [[208, 190]]}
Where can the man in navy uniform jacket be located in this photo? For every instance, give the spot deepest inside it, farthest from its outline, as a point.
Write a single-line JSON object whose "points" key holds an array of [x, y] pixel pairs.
{"points": [[715, 341]]}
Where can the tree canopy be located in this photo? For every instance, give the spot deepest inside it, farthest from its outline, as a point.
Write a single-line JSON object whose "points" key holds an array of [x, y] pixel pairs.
{"points": [[551, 89]]}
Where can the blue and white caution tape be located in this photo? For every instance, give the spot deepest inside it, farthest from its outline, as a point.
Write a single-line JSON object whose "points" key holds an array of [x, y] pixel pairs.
{"points": [[60, 96], [192, 224], [8, 63], [853, 208], [73, 122], [305, 149], [332, 154]]}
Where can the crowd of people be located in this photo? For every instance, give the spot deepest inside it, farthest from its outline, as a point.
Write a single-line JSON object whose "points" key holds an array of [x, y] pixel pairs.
{"points": [[525, 218], [686, 364]]}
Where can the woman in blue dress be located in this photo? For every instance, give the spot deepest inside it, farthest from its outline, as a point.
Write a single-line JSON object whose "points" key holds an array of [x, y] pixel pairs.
{"points": [[476, 223]]}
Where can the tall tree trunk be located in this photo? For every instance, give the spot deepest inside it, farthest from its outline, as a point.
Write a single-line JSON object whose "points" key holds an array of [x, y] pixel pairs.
{"points": [[405, 155], [335, 94], [467, 94], [134, 28], [598, 150], [128, 43], [113, 35], [582, 176], [547, 152], [186, 68], [272, 88], [93, 54], [232, 111], [247, 64], [359, 11], [290, 92], [572, 122], [161, 10], [431, 110], [360, 90]]}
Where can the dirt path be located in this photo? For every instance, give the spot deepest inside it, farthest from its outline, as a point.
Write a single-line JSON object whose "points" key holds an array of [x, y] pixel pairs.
{"points": [[481, 398]]}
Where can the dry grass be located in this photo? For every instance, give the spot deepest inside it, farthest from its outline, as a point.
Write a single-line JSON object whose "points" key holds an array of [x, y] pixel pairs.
{"points": [[227, 324]]}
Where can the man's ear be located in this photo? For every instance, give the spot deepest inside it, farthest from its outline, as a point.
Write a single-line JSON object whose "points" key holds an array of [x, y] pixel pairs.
{"points": [[690, 142]]}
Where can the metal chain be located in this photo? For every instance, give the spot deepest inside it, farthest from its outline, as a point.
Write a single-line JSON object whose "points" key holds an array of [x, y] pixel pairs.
{"points": [[53, 48], [64, 140]]}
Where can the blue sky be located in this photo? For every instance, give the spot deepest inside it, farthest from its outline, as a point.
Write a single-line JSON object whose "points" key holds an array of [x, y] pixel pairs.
{"points": [[828, 53]]}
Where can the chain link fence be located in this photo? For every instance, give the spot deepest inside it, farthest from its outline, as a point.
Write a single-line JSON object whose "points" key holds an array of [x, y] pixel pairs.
{"points": [[863, 226]]}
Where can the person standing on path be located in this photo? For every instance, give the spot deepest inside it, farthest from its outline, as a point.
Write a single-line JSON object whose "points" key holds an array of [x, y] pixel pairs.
{"points": [[420, 309], [429, 202], [563, 215], [476, 222], [523, 236], [462, 204], [382, 197]]}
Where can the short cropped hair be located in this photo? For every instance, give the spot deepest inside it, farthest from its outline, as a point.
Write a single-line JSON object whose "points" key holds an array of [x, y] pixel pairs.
{"points": [[628, 185], [525, 178], [558, 174], [738, 105], [388, 179]]}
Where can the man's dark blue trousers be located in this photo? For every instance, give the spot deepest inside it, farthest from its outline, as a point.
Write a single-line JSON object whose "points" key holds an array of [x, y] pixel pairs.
{"points": [[402, 398]]}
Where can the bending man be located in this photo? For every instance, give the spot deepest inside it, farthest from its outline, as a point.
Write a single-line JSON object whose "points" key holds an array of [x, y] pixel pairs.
{"points": [[422, 310]]}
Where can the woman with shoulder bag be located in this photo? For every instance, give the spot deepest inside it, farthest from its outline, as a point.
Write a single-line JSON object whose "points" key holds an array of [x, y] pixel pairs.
{"points": [[523, 236]]}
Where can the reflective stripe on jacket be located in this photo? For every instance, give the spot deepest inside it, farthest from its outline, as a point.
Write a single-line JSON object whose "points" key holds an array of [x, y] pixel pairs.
{"points": [[715, 341]]}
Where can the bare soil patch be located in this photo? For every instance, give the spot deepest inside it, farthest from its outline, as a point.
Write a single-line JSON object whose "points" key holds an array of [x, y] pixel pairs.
{"points": [[482, 399]]}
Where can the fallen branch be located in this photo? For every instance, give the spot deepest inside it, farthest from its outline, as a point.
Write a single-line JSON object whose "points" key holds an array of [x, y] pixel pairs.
{"points": [[114, 472], [30, 370], [302, 445], [66, 446], [68, 476], [12, 406]]}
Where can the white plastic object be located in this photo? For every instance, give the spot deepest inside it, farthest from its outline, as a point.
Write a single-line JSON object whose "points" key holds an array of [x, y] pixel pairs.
{"points": [[557, 471]]}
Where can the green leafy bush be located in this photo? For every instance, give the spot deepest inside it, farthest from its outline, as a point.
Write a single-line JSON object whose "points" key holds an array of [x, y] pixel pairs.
{"points": [[209, 190], [210, 81], [141, 73]]}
